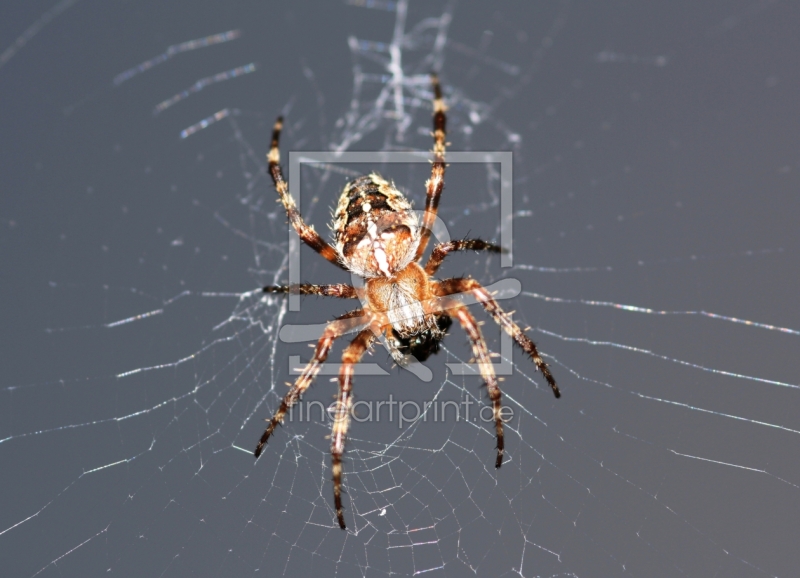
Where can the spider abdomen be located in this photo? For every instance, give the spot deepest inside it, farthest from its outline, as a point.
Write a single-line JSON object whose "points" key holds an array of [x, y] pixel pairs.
{"points": [[376, 232]]}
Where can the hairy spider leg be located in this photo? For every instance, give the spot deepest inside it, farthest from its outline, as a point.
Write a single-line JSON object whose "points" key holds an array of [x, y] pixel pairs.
{"points": [[441, 251], [307, 233], [503, 319], [483, 359], [435, 184], [341, 419], [340, 326], [340, 290]]}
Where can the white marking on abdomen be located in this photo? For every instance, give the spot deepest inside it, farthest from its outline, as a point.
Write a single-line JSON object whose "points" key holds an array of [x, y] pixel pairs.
{"points": [[380, 257]]}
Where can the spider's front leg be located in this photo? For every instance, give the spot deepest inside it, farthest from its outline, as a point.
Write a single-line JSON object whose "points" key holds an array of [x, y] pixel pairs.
{"points": [[341, 419], [333, 330], [481, 353], [503, 319]]}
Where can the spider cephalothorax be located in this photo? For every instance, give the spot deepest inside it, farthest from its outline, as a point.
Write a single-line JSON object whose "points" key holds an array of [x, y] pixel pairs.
{"points": [[378, 237]]}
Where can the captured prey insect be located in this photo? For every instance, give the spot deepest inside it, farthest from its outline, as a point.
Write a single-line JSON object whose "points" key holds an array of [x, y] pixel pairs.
{"points": [[377, 236]]}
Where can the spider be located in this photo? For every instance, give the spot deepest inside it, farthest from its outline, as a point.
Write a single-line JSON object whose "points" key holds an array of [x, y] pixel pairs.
{"points": [[378, 237]]}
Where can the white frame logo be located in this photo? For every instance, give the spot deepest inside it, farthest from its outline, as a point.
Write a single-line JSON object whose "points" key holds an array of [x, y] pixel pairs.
{"points": [[505, 289]]}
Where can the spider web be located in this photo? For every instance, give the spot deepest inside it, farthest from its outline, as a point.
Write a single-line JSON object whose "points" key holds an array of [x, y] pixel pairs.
{"points": [[655, 162]]}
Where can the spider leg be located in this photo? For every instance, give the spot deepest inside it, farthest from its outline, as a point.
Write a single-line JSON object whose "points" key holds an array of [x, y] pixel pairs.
{"points": [[441, 251], [334, 329], [481, 353], [436, 183], [339, 290], [307, 233], [503, 319], [341, 419]]}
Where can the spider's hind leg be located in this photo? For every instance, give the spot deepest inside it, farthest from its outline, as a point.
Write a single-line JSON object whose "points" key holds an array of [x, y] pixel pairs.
{"points": [[435, 184], [306, 232]]}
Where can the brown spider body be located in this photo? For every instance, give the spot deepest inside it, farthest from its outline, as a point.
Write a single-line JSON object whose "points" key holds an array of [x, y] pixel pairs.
{"points": [[404, 299], [376, 233], [378, 237]]}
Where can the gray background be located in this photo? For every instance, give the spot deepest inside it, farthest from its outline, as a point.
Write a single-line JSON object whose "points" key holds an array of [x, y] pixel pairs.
{"points": [[655, 165]]}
